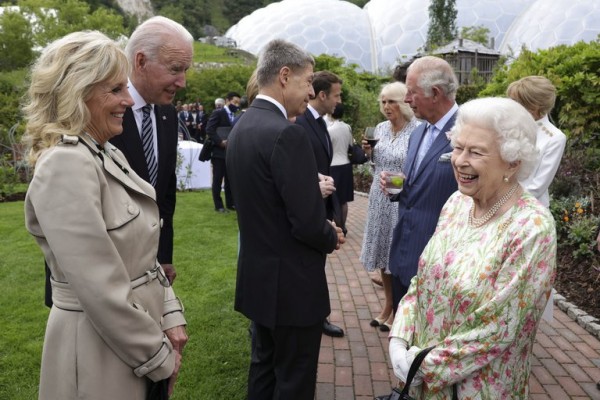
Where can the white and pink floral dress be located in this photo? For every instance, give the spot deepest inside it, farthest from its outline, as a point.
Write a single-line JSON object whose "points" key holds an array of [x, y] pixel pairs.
{"points": [[478, 297]]}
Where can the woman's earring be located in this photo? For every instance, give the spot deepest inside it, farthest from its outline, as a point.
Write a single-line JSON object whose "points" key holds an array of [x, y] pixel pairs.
{"points": [[505, 179]]}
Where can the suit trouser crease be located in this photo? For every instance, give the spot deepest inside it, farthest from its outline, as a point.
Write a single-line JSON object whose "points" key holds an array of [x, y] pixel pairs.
{"points": [[219, 175], [284, 362]]}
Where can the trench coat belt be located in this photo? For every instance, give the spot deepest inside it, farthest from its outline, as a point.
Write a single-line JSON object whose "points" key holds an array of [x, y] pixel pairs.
{"points": [[64, 298]]}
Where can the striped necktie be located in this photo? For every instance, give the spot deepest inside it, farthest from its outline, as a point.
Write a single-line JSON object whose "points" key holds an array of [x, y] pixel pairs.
{"points": [[148, 144]]}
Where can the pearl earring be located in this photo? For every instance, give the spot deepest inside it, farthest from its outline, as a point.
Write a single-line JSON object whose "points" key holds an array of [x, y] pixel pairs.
{"points": [[505, 179]]}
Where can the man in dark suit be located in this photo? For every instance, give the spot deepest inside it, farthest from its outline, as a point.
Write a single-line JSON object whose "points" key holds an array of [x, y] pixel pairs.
{"points": [[328, 93], [157, 73], [284, 233], [221, 118], [432, 86]]}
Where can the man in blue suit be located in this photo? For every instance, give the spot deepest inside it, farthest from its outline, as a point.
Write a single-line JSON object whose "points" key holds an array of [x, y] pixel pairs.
{"points": [[432, 86]]}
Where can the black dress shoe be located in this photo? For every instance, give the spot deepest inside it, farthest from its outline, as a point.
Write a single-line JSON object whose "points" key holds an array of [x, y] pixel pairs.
{"points": [[221, 210], [232, 208], [332, 330]]}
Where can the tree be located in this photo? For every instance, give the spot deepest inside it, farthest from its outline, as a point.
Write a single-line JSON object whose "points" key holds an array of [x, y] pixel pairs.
{"points": [[442, 23], [479, 34], [56, 18], [16, 41]]}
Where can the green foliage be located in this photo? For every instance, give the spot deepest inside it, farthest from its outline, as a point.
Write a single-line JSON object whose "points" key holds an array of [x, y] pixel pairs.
{"points": [[359, 93], [16, 41], [479, 34], [69, 16], [8, 180], [574, 72], [442, 23], [576, 226], [211, 82], [216, 358], [12, 88]]}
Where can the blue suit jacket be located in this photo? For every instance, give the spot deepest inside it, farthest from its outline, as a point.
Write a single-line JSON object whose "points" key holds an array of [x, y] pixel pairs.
{"points": [[419, 204]]}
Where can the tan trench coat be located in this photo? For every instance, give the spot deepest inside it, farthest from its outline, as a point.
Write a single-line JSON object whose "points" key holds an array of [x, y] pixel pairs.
{"points": [[98, 226]]}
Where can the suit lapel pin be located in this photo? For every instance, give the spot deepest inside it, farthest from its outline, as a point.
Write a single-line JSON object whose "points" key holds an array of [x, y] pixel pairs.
{"points": [[164, 117]]}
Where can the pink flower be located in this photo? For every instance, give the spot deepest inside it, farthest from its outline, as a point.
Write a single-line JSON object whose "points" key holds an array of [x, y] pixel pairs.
{"points": [[449, 258], [429, 315]]}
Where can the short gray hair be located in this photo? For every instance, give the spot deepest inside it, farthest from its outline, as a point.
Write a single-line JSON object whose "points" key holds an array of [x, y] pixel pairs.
{"points": [[434, 71], [152, 35], [277, 54], [515, 129]]}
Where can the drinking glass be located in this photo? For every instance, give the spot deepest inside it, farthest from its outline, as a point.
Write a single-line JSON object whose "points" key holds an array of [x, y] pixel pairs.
{"points": [[394, 182]]}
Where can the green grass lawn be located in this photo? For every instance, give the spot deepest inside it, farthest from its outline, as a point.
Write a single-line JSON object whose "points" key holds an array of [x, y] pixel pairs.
{"points": [[215, 361]]}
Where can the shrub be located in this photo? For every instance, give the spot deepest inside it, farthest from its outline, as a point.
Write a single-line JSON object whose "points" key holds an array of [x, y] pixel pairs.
{"points": [[576, 226], [574, 72]]}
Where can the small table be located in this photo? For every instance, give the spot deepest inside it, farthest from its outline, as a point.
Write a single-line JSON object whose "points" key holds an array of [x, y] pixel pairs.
{"points": [[192, 173]]}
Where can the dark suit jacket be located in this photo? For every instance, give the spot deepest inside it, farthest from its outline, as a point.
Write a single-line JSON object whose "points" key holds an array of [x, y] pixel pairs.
{"points": [[323, 150], [420, 202], [319, 139], [284, 235], [130, 143], [218, 118]]}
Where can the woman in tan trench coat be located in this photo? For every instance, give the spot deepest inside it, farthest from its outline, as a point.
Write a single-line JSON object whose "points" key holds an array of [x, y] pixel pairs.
{"points": [[98, 226]]}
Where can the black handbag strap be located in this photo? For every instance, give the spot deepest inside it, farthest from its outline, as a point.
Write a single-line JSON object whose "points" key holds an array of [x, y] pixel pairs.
{"points": [[414, 367]]}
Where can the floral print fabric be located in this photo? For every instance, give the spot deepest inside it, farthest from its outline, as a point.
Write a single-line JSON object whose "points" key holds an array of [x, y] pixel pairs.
{"points": [[388, 155], [478, 297]]}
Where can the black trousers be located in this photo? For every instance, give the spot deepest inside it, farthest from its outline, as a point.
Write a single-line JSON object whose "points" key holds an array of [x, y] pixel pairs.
{"points": [[219, 172], [398, 291], [284, 362]]}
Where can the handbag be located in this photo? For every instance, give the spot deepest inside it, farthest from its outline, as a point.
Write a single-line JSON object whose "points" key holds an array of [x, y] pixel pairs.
{"points": [[356, 154], [206, 151], [398, 394]]}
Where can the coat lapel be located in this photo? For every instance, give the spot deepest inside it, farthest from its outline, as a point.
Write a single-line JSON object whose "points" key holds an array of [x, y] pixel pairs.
{"points": [[318, 130], [118, 168], [413, 150], [437, 147]]}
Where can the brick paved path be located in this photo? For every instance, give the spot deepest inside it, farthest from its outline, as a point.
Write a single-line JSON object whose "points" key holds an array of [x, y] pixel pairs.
{"points": [[566, 362]]}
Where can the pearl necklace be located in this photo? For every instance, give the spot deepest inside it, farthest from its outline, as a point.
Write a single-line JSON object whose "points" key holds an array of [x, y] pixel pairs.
{"points": [[477, 222]]}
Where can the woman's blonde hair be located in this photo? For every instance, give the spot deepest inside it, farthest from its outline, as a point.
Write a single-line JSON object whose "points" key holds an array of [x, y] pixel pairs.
{"points": [[61, 82], [536, 93], [396, 91]]}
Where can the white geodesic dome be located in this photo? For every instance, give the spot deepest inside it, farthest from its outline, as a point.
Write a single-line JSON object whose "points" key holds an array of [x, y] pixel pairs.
{"points": [[386, 32]]}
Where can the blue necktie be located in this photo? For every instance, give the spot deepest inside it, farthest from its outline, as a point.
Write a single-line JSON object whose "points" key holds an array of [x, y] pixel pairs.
{"points": [[148, 144], [425, 145]]}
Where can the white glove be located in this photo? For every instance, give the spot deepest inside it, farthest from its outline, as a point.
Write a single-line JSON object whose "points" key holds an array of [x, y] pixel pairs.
{"points": [[402, 358], [410, 357]]}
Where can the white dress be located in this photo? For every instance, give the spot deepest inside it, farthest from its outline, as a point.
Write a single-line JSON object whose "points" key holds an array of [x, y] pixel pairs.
{"points": [[388, 155]]}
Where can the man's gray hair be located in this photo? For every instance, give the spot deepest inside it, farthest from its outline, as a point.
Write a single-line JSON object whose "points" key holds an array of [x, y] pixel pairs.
{"points": [[434, 71], [153, 34], [515, 129], [278, 54]]}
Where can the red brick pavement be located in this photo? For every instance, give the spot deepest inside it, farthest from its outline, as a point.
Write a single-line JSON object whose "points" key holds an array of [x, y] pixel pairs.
{"points": [[566, 358]]}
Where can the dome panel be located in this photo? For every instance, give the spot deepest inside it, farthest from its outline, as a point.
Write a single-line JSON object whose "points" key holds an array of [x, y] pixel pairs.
{"points": [[385, 32]]}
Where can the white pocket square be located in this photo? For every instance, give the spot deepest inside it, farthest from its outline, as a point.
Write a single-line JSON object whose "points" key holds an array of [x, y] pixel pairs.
{"points": [[445, 157]]}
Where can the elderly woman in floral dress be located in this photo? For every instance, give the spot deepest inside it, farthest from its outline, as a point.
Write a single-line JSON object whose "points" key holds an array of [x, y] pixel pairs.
{"points": [[486, 274]]}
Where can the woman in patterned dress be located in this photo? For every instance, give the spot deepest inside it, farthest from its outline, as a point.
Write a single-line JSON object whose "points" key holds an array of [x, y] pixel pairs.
{"points": [[486, 274], [388, 155]]}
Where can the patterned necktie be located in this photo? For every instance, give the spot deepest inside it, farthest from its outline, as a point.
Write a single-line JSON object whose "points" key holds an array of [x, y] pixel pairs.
{"points": [[425, 145], [148, 144]]}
